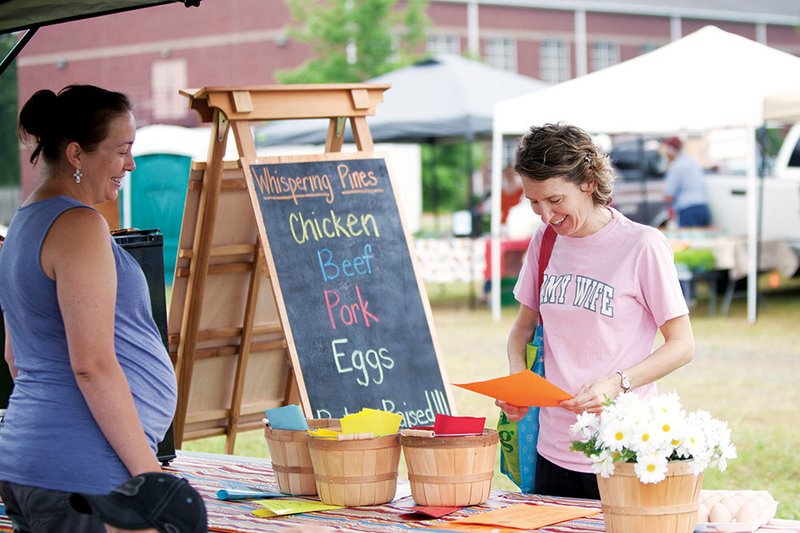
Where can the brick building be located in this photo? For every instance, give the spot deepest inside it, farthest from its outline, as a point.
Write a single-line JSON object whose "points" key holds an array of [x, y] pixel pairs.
{"points": [[151, 53]]}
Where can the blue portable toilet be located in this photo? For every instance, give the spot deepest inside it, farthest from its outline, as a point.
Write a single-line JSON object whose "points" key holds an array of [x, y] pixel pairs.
{"points": [[154, 194]]}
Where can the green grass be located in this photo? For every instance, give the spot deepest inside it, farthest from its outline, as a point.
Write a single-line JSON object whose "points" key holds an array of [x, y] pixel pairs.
{"points": [[745, 374]]}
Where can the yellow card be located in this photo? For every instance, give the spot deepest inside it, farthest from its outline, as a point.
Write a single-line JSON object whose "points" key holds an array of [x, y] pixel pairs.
{"points": [[323, 433], [527, 516], [282, 507], [372, 421]]}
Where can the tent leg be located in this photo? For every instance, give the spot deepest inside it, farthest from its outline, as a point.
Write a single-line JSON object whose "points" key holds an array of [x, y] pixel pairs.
{"points": [[17, 48]]}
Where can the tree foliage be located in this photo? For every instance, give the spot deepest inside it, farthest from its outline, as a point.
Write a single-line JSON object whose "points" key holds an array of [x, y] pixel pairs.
{"points": [[354, 40], [444, 182], [9, 143]]}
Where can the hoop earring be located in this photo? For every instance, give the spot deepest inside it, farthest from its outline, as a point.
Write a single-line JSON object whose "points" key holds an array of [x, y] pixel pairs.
{"points": [[77, 175]]}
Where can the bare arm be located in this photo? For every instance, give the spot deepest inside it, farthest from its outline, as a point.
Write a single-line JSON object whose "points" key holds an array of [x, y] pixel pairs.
{"points": [[9, 354], [518, 338], [77, 254], [677, 350]]}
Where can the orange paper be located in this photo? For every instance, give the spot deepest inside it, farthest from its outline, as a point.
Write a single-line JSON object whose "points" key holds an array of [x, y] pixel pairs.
{"points": [[527, 516], [521, 389]]}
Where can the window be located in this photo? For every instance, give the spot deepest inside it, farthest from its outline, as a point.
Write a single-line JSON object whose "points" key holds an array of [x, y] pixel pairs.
{"points": [[604, 54], [167, 77], [647, 48], [501, 52], [554, 63], [444, 44]]}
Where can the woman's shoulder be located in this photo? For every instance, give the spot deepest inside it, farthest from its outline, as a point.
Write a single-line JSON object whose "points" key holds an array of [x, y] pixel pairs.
{"points": [[80, 227], [639, 233]]}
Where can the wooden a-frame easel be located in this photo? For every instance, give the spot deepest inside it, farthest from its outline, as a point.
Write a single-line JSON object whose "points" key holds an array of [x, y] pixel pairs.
{"points": [[221, 315]]}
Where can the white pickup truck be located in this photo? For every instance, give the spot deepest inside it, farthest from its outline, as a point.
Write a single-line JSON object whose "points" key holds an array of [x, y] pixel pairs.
{"points": [[780, 205], [642, 199]]}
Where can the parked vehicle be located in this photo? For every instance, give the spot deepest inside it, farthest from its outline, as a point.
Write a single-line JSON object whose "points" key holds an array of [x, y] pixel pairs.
{"points": [[780, 203], [639, 188], [639, 191]]}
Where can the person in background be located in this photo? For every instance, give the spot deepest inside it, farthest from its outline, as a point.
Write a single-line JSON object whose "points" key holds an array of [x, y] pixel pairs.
{"points": [[94, 387], [685, 187], [511, 193], [609, 287], [153, 502]]}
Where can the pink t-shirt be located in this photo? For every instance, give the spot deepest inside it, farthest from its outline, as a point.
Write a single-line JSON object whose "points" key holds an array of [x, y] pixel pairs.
{"points": [[604, 298]]}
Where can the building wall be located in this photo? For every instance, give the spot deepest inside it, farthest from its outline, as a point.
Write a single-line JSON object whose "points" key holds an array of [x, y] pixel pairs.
{"points": [[150, 53]]}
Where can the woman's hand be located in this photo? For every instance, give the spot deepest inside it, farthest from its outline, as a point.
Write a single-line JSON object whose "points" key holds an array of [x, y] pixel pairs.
{"points": [[514, 413], [592, 395]]}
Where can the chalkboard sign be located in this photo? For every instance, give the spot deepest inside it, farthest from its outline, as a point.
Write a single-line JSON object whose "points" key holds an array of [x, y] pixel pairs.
{"points": [[358, 327]]}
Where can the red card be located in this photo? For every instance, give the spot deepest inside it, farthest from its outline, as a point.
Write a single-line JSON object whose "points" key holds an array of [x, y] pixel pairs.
{"points": [[426, 512], [458, 425]]}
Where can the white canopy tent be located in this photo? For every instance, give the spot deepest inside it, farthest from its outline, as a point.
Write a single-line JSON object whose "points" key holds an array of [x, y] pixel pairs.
{"points": [[783, 106], [708, 79]]}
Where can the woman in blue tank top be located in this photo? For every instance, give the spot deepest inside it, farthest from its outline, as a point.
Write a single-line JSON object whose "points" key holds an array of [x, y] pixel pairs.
{"points": [[94, 388]]}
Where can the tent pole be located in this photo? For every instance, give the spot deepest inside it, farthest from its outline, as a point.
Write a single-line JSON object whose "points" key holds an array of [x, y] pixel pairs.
{"points": [[497, 161], [475, 228], [643, 178], [752, 233], [434, 186], [17, 48]]}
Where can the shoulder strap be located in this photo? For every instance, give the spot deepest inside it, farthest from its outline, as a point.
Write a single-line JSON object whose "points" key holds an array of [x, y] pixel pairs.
{"points": [[548, 240]]}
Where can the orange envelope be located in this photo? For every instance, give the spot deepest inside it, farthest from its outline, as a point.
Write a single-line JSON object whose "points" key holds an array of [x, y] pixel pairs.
{"points": [[524, 388], [527, 516]]}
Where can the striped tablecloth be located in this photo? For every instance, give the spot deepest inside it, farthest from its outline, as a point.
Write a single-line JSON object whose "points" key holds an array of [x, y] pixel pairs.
{"points": [[208, 472]]}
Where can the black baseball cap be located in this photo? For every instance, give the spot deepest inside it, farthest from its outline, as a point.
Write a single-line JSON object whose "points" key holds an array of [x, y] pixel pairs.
{"points": [[151, 500]]}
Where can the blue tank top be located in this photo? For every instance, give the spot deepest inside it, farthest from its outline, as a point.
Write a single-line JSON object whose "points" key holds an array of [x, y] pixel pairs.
{"points": [[49, 438]]}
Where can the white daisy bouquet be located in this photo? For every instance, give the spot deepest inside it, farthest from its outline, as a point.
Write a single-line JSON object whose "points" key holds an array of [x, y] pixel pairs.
{"points": [[651, 432]]}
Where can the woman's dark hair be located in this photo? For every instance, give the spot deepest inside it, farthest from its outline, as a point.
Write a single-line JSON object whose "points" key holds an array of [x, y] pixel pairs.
{"points": [[560, 150], [79, 113]]}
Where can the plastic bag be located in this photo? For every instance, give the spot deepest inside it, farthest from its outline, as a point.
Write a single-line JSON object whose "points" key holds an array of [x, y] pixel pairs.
{"points": [[518, 439]]}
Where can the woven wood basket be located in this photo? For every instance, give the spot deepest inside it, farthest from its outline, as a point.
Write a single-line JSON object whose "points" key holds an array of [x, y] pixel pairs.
{"points": [[355, 472], [669, 506], [291, 460], [451, 471]]}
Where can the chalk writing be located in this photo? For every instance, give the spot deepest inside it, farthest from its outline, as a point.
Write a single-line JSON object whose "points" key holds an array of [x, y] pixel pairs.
{"points": [[332, 226], [370, 362], [339, 257], [348, 314], [360, 265], [274, 187]]}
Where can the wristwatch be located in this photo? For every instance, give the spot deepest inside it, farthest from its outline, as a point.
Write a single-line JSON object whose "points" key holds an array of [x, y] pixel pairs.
{"points": [[625, 382]]}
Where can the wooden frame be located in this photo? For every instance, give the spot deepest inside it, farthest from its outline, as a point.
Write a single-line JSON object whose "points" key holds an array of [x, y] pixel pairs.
{"points": [[357, 320], [222, 319]]}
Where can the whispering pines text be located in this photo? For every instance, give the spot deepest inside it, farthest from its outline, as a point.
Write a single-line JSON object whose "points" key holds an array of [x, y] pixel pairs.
{"points": [[277, 187]]}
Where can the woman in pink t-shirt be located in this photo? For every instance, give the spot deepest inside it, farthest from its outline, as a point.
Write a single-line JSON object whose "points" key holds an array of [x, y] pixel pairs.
{"points": [[609, 286]]}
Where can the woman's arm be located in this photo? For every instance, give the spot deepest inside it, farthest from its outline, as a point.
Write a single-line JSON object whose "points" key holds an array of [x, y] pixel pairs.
{"points": [[77, 254], [677, 350], [9, 354], [518, 338]]}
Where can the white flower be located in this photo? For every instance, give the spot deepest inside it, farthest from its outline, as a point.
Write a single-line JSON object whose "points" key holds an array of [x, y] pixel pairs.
{"points": [[668, 404], [651, 468], [647, 438], [586, 425], [650, 432], [603, 463], [615, 434]]}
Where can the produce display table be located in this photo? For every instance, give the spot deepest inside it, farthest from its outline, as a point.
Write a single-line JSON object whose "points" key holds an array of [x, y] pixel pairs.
{"points": [[208, 473]]}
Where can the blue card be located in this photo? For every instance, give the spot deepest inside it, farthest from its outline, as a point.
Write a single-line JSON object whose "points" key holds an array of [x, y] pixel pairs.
{"points": [[287, 417]]}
